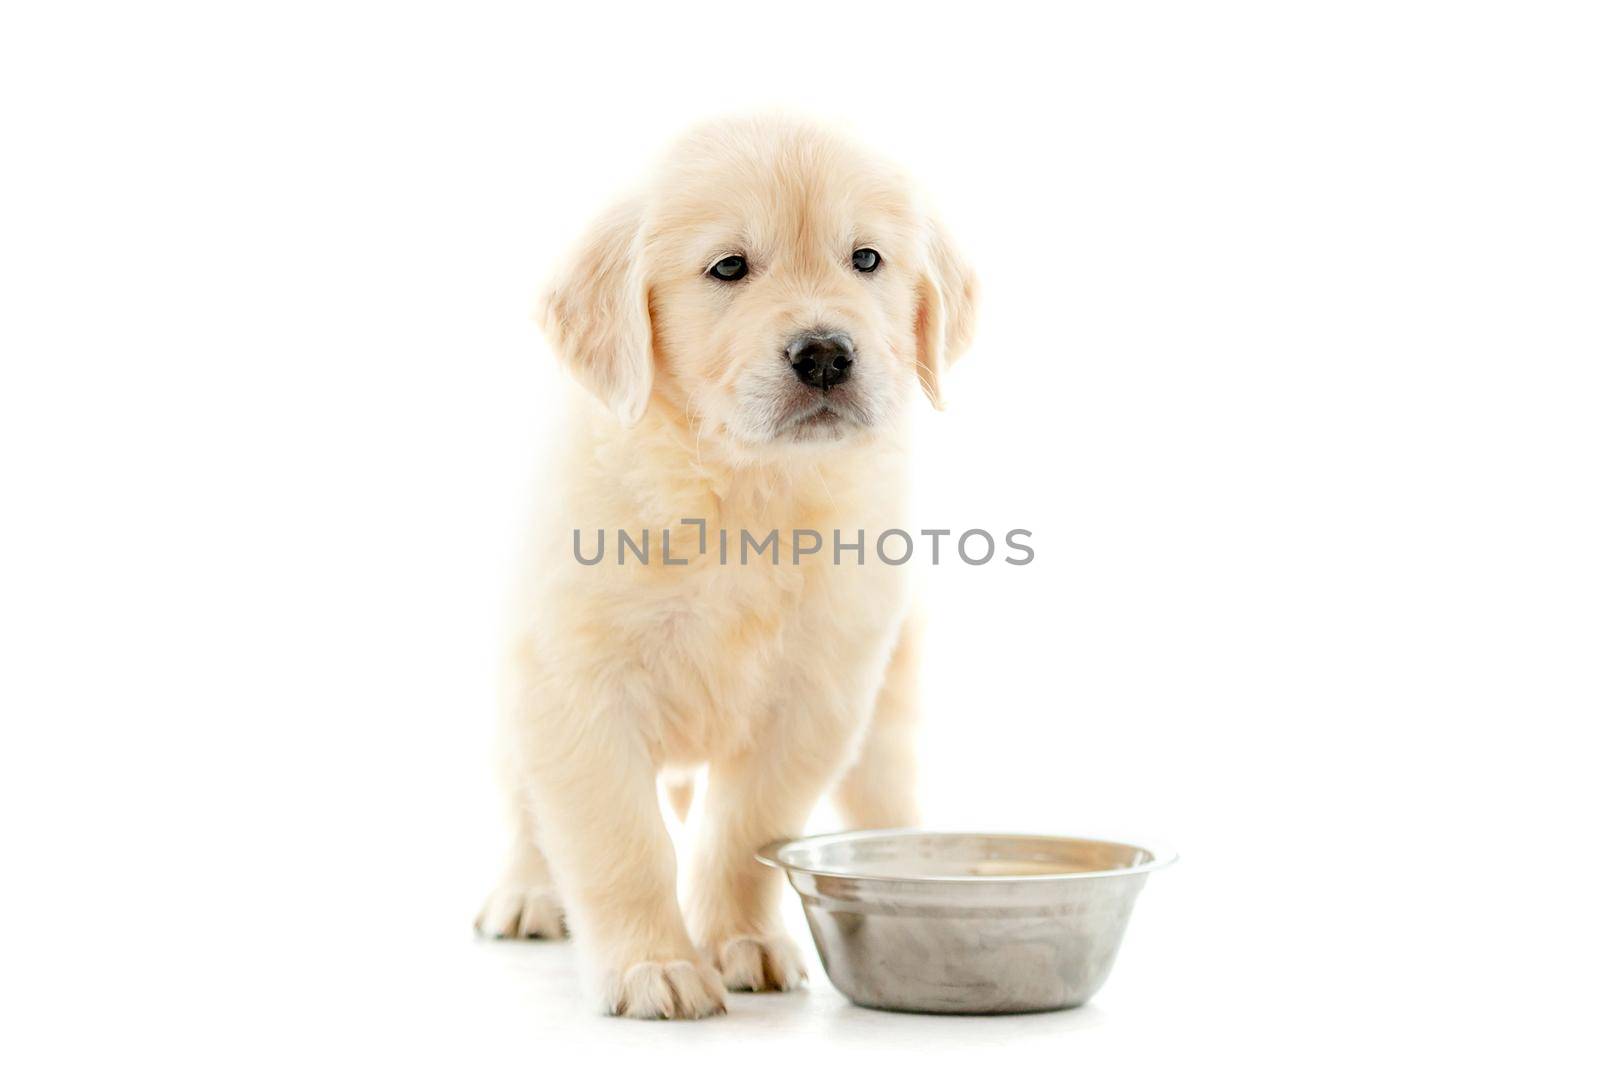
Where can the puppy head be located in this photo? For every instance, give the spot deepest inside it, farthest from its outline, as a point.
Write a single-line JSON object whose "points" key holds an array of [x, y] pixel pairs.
{"points": [[775, 284]]}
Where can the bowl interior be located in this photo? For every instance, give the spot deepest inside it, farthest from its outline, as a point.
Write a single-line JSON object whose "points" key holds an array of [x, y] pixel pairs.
{"points": [[913, 854]]}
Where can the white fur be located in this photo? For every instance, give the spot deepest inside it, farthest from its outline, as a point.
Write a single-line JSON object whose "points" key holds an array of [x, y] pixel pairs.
{"points": [[786, 679]]}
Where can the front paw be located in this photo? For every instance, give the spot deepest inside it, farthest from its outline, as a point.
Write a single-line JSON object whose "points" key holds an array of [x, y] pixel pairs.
{"points": [[759, 962], [680, 990]]}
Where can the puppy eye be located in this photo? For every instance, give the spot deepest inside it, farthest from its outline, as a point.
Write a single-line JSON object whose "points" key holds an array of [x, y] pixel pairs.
{"points": [[729, 269], [865, 260]]}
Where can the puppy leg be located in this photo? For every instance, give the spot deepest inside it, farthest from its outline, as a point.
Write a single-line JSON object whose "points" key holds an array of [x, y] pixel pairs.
{"points": [[525, 903], [880, 790], [733, 903], [613, 860]]}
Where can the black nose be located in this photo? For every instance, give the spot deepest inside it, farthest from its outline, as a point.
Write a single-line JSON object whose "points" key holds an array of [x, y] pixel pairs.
{"points": [[822, 361]]}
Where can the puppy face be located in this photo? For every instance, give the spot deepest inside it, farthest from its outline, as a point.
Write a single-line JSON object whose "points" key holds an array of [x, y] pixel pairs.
{"points": [[775, 284]]}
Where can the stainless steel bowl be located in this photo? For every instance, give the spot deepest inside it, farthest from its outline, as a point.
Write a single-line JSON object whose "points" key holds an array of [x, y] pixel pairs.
{"points": [[965, 922]]}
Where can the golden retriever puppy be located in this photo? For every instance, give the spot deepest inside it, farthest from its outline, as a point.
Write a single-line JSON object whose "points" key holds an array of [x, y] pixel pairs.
{"points": [[749, 332]]}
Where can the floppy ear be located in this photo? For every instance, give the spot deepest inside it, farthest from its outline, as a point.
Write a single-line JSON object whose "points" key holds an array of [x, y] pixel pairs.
{"points": [[947, 310], [597, 315]]}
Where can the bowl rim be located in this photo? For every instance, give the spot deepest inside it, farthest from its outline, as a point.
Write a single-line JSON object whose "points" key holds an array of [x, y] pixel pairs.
{"points": [[771, 855]]}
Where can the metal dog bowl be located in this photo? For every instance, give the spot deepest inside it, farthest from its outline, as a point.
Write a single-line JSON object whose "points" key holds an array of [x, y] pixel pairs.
{"points": [[965, 922]]}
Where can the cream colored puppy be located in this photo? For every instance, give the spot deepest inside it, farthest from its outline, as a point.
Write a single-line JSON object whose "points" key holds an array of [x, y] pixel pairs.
{"points": [[751, 329]]}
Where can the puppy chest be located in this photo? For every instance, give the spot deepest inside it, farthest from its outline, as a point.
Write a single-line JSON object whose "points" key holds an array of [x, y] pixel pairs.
{"points": [[729, 651]]}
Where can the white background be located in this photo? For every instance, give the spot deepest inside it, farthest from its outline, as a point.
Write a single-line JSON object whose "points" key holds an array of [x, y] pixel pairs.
{"points": [[1287, 357]]}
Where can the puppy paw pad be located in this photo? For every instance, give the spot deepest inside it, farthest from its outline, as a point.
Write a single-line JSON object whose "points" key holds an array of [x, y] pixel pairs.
{"points": [[522, 912], [760, 963], [667, 990]]}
